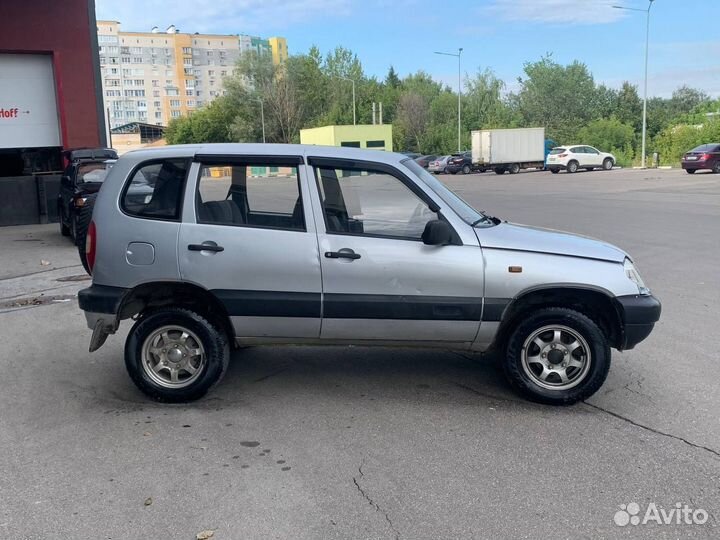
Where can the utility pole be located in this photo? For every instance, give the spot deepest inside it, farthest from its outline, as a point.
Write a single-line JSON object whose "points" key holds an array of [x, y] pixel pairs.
{"points": [[458, 55], [353, 94], [647, 48]]}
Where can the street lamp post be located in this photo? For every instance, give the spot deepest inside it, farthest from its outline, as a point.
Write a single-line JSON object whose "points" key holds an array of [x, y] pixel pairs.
{"points": [[459, 53], [647, 45], [353, 94], [262, 116]]}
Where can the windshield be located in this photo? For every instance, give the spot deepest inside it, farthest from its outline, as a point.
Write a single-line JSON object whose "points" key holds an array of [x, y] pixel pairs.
{"points": [[556, 151], [466, 212], [92, 172]]}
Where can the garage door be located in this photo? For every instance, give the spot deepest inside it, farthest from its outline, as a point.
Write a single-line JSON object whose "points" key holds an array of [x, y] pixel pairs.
{"points": [[28, 104]]}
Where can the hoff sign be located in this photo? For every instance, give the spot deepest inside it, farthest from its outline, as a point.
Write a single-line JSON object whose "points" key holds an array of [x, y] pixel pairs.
{"points": [[9, 113], [28, 108]]}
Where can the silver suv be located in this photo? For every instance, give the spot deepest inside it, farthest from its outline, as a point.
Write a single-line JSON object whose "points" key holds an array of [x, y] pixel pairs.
{"points": [[211, 246]]}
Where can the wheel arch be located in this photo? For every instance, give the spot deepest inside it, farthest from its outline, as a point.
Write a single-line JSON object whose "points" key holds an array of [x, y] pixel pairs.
{"points": [[595, 302], [153, 295]]}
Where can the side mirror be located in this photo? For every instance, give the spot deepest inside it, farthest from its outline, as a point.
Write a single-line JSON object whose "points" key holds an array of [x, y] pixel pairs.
{"points": [[437, 233]]}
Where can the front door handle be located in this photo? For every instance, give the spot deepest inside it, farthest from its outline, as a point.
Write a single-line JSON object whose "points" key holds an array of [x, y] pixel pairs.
{"points": [[205, 247], [344, 253]]}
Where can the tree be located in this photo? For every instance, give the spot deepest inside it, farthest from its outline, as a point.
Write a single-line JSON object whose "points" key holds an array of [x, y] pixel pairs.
{"points": [[392, 80], [557, 97], [628, 106], [412, 117]]}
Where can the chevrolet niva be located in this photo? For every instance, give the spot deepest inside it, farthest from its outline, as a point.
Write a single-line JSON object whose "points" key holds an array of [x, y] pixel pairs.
{"points": [[211, 246]]}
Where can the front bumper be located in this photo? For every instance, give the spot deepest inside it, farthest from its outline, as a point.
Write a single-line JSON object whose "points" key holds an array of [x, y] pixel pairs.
{"points": [[639, 313]]}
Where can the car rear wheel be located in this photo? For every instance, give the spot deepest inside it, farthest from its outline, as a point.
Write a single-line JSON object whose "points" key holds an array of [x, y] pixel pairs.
{"points": [[557, 356], [572, 167], [690, 171], [608, 164], [176, 355], [466, 169], [716, 167], [514, 168], [554, 171]]}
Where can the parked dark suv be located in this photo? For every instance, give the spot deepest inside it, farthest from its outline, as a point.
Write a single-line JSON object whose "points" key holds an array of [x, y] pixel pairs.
{"points": [[86, 169], [705, 156], [460, 163]]}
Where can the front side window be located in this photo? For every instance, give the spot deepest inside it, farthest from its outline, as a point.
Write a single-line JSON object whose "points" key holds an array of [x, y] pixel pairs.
{"points": [[370, 202], [156, 190], [463, 210], [260, 195]]}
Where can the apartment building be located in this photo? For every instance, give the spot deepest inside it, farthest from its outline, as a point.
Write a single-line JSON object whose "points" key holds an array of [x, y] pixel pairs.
{"points": [[152, 77]]}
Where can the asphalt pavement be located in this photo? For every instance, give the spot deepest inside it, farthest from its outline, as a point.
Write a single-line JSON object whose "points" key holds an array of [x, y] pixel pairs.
{"points": [[351, 442]]}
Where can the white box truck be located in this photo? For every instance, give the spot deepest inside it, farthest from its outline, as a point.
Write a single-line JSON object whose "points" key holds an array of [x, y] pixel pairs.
{"points": [[508, 149]]}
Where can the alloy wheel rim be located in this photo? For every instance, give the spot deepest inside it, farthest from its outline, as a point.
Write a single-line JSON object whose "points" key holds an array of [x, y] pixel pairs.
{"points": [[173, 357], [556, 357]]}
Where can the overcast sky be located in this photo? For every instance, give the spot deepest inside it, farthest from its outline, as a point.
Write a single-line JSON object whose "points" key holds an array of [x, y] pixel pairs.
{"points": [[499, 34]]}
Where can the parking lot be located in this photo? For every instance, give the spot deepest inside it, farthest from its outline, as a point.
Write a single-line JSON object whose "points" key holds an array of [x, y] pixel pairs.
{"points": [[349, 442]]}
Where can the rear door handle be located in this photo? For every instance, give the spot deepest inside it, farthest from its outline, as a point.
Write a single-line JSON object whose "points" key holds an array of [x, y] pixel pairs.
{"points": [[205, 247], [344, 253]]}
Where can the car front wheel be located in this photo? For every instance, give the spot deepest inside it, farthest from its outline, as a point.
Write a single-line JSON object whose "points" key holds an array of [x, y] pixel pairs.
{"points": [[176, 355], [608, 164], [557, 356], [690, 171]]}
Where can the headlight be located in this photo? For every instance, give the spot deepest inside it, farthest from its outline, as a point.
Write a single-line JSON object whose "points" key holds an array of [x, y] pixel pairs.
{"points": [[634, 276]]}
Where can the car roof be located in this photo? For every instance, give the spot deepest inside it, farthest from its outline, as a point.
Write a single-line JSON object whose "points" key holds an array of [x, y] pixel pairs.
{"points": [[264, 149]]}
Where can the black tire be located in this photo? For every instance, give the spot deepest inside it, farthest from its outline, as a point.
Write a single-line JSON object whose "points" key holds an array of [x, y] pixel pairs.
{"points": [[690, 171], [64, 229], [499, 170], [554, 171], [716, 167], [594, 375], [445, 170], [514, 168], [572, 167], [214, 343], [466, 169], [82, 222], [608, 164]]}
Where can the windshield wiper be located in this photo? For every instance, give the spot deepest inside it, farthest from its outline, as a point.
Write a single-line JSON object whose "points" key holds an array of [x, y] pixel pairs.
{"points": [[486, 219]]}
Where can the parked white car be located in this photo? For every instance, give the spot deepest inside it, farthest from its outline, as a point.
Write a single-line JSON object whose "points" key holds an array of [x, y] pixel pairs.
{"points": [[574, 157], [439, 165]]}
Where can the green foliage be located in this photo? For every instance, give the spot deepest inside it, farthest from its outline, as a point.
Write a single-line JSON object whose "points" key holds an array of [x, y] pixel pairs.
{"points": [[674, 141], [608, 135], [313, 89]]}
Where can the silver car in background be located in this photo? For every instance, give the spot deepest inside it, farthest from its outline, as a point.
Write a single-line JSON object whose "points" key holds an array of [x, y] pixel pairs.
{"points": [[233, 245], [439, 165]]}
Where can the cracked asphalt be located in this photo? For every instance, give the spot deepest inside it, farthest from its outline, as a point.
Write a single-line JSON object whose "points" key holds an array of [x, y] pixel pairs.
{"points": [[348, 442]]}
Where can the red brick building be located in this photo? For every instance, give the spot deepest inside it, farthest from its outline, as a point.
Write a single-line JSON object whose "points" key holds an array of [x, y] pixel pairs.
{"points": [[50, 95]]}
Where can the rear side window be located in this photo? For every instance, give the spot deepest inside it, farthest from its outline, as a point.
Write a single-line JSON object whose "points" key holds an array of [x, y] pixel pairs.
{"points": [[556, 151], [156, 189], [251, 195]]}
